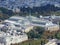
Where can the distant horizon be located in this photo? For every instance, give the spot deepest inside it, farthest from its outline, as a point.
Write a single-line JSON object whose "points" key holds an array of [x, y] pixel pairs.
{"points": [[27, 3]]}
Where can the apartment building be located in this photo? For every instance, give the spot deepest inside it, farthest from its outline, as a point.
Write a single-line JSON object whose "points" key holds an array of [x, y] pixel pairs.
{"points": [[30, 21], [12, 37]]}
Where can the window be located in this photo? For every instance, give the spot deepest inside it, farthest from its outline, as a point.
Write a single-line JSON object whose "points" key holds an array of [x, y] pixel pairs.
{"points": [[17, 25]]}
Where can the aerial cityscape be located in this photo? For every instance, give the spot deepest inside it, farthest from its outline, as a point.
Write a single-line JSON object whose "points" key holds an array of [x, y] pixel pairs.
{"points": [[29, 22]]}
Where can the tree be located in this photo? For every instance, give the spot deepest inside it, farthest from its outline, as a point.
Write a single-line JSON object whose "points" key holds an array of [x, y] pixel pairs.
{"points": [[36, 32], [58, 35]]}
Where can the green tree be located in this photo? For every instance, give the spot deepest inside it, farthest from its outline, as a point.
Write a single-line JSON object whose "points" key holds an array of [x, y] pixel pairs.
{"points": [[36, 32], [58, 35]]}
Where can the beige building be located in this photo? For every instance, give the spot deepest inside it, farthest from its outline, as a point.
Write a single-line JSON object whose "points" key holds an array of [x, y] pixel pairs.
{"points": [[48, 25]]}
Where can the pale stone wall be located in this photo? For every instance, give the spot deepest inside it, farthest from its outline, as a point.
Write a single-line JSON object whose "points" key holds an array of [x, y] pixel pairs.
{"points": [[53, 28], [28, 29]]}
